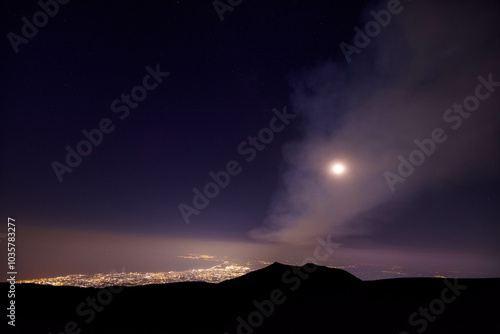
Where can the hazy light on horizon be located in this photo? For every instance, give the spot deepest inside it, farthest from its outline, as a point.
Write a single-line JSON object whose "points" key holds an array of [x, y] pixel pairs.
{"points": [[51, 252]]}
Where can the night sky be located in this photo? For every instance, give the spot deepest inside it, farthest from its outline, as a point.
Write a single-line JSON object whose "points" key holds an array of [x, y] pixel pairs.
{"points": [[271, 93]]}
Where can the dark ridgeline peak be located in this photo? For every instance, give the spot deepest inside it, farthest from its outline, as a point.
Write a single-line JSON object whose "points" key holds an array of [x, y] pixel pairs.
{"points": [[280, 275], [310, 299], [332, 276], [329, 273]]}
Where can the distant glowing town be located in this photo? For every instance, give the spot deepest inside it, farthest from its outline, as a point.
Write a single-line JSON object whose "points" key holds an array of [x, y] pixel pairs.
{"points": [[224, 271], [218, 273]]}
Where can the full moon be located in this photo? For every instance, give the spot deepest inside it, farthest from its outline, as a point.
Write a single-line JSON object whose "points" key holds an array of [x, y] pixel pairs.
{"points": [[338, 169]]}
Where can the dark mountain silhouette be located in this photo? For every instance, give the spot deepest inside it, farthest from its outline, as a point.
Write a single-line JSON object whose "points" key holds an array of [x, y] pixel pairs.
{"points": [[275, 299]]}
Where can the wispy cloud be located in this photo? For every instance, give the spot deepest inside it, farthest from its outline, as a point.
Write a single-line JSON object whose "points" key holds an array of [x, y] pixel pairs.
{"points": [[368, 113]]}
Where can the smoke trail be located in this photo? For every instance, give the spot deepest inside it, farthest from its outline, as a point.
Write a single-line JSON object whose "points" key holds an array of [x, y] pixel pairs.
{"points": [[367, 113]]}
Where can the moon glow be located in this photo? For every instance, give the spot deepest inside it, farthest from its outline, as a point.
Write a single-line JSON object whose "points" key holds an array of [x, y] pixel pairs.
{"points": [[338, 169]]}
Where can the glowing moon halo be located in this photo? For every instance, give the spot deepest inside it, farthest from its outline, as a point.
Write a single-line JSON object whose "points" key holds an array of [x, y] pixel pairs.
{"points": [[338, 169]]}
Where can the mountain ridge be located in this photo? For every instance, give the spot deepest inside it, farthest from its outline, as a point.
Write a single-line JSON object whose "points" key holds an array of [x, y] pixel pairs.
{"points": [[277, 298]]}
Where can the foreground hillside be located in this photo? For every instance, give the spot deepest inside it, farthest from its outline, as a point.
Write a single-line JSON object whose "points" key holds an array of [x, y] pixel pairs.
{"points": [[276, 299]]}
